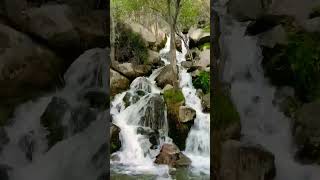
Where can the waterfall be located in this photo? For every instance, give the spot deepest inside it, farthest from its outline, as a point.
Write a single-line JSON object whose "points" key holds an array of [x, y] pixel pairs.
{"points": [[198, 140], [73, 157], [135, 155], [262, 122]]}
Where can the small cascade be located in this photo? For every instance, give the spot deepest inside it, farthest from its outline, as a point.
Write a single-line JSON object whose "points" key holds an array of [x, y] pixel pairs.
{"points": [[28, 154], [139, 112], [262, 122], [198, 141]]}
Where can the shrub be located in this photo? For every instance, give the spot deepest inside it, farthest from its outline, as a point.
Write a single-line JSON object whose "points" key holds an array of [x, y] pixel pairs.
{"points": [[202, 82]]}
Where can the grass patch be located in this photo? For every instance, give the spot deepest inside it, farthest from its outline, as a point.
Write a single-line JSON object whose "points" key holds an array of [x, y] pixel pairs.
{"points": [[202, 82]]}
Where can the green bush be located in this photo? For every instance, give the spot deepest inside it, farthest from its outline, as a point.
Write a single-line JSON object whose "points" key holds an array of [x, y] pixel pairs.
{"points": [[202, 82], [303, 53]]}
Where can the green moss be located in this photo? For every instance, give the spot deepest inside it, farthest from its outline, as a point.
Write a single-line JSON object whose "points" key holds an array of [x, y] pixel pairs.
{"points": [[303, 53], [205, 46], [202, 81], [207, 29], [224, 112], [173, 96]]}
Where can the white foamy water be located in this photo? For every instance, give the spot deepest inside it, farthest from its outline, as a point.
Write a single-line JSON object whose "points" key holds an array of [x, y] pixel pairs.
{"points": [[261, 121], [198, 141], [135, 155]]}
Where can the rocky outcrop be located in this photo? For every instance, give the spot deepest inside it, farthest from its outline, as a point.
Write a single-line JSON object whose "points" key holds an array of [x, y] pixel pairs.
{"points": [[66, 28], [198, 37], [172, 156], [118, 83], [131, 70], [204, 59], [205, 101], [244, 10], [52, 119], [165, 77], [306, 132], [246, 162], [115, 142], [178, 131], [154, 113], [186, 114], [26, 68]]}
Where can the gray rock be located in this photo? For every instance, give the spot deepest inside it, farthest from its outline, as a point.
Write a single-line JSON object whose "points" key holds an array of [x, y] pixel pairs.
{"points": [[205, 101], [172, 156], [186, 64], [27, 144], [4, 139], [52, 120], [118, 82], [154, 113], [26, 68], [246, 162], [165, 77], [186, 114], [131, 70], [312, 25]]}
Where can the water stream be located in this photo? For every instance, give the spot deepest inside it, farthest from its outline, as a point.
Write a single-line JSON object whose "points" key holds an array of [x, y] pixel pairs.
{"points": [[262, 122], [135, 156]]}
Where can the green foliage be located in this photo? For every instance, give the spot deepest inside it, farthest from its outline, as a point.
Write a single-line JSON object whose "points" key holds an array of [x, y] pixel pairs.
{"points": [[173, 96], [303, 53], [207, 29], [202, 82], [189, 13]]}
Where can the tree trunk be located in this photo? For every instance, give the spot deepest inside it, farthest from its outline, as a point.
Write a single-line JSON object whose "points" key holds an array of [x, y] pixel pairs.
{"points": [[172, 52], [215, 89]]}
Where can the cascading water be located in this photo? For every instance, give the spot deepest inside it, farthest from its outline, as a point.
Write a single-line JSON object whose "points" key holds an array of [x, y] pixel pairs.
{"points": [[198, 141], [78, 155], [262, 122], [135, 156]]}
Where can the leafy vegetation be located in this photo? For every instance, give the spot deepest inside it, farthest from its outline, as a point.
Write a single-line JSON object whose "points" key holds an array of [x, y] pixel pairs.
{"points": [[202, 82], [303, 53], [204, 46]]}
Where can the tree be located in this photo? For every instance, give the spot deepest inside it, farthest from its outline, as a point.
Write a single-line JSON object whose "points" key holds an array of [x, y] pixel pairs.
{"points": [[177, 14], [218, 116]]}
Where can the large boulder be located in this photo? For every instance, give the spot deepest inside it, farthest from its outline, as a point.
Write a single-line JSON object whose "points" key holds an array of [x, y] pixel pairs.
{"points": [[154, 113], [244, 10], [52, 119], [115, 142], [26, 68], [64, 27], [118, 82], [306, 132], [131, 70], [172, 156], [198, 37], [146, 35], [246, 162], [165, 77], [186, 114]]}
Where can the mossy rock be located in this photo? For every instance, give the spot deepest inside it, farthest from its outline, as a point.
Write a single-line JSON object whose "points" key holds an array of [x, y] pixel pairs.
{"points": [[177, 131], [226, 116], [115, 143]]}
